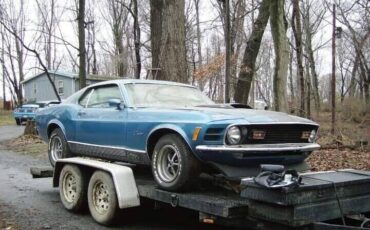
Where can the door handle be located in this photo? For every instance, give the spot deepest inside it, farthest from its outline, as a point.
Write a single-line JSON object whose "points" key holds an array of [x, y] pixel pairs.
{"points": [[81, 113]]}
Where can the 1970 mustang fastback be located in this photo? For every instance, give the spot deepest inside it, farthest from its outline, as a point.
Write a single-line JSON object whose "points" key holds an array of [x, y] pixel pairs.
{"points": [[174, 128]]}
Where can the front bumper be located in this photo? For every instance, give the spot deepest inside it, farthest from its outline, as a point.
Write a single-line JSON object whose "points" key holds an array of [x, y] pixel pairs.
{"points": [[24, 116], [289, 147], [254, 155]]}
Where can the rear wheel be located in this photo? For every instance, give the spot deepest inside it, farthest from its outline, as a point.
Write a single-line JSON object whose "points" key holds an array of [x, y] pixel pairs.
{"points": [[72, 188], [174, 166], [102, 198], [58, 146]]}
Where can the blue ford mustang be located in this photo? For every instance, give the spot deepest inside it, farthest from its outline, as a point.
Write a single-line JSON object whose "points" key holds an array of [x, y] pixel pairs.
{"points": [[174, 128]]}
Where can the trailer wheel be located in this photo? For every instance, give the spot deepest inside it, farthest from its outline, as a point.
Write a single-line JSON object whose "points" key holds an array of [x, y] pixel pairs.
{"points": [[72, 188], [102, 198], [174, 166], [58, 146]]}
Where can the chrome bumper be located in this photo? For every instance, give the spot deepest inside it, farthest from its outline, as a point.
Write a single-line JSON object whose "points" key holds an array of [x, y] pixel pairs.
{"points": [[300, 147]]}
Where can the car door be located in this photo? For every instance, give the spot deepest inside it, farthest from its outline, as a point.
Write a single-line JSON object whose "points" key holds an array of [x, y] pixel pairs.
{"points": [[99, 123]]}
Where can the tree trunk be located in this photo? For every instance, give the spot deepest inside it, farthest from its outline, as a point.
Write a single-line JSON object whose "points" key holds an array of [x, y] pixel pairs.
{"points": [[81, 43], [3, 65], [297, 31], [308, 89], [168, 40], [247, 69], [19, 50], [137, 35], [30, 128], [199, 45], [315, 81], [278, 29], [352, 84], [291, 82]]}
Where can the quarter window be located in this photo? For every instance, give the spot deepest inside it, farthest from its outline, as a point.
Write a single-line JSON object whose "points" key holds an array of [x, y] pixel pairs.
{"points": [[99, 97]]}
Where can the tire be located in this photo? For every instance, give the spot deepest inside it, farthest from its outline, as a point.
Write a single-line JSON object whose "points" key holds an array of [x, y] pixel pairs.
{"points": [[58, 147], [102, 198], [18, 121], [72, 188], [174, 166]]}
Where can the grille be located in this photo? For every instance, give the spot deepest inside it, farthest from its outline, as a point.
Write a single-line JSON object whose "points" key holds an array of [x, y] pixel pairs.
{"points": [[274, 134], [213, 134]]}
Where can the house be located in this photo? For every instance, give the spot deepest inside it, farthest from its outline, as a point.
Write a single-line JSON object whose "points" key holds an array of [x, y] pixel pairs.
{"points": [[38, 87]]}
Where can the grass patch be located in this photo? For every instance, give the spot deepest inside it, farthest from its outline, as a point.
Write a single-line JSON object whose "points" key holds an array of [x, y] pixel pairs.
{"points": [[28, 145], [6, 118]]}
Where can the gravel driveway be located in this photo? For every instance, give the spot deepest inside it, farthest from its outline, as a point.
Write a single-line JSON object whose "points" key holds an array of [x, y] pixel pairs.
{"points": [[34, 204]]}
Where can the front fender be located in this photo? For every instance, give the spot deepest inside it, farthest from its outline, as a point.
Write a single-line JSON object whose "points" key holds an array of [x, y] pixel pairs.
{"points": [[172, 127]]}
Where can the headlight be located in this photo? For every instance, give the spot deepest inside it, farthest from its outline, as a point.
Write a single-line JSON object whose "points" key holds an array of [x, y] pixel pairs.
{"points": [[312, 137], [233, 135]]}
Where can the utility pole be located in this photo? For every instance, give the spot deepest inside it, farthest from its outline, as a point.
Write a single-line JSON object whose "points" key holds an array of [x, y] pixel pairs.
{"points": [[333, 75], [228, 51]]}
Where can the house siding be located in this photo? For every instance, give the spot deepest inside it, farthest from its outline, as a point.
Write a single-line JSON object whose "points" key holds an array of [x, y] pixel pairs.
{"points": [[44, 90]]}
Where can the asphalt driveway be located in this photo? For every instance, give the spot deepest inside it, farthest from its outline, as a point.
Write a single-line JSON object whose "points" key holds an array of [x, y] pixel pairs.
{"points": [[34, 204]]}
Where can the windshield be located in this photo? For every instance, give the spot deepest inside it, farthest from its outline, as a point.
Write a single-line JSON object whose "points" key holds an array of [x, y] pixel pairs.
{"points": [[148, 95]]}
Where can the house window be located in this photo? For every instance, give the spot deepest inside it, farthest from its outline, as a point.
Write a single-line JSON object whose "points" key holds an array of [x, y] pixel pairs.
{"points": [[60, 87], [34, 88]]}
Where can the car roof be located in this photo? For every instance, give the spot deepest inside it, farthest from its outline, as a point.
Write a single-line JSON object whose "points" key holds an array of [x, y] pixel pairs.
{"points": [[142, 81]]}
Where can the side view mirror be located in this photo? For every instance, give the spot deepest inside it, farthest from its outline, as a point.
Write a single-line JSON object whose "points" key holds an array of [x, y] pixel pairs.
{"points": [[115, 102]]}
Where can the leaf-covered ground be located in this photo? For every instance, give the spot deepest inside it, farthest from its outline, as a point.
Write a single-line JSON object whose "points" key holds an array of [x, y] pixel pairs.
{"points": [[27, 144], [331, 159]]}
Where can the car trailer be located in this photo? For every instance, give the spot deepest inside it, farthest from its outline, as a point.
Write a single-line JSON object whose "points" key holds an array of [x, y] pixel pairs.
{"points": [[324, 201]]}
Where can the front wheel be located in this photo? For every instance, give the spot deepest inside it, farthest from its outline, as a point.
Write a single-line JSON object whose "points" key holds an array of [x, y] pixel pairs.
{"points": [[174, 166], [18, 121], [58, 147]]}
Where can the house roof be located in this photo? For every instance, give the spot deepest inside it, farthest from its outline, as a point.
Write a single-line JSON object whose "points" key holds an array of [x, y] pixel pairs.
{"points": [[93, 77]]}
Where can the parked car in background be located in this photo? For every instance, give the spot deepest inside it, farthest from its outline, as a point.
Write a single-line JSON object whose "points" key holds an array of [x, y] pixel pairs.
{"points": [[25, 112], [175, 129]]}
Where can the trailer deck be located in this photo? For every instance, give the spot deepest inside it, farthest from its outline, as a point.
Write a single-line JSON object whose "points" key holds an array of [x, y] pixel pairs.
{"points": [[323, 196]]}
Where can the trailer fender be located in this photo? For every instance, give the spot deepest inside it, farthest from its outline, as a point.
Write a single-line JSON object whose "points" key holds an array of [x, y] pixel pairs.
{"points": [[123, 178]]}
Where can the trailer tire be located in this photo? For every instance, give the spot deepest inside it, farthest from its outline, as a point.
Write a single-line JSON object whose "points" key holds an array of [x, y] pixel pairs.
{"points": [[58, 147], [174, 166], [102, 198], [72, 188]]}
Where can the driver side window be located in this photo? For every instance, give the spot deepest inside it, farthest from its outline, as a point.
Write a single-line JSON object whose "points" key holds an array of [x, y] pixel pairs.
{"points": [[99, 97]]}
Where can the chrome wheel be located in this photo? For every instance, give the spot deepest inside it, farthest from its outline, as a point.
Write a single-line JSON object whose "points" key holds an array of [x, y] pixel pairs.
{"points": [[168, 163], [69, 187], [100, 197], [56, 148]]}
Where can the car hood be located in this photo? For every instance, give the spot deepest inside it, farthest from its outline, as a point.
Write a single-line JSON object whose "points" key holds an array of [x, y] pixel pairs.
{"points": [[248, 115]]}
